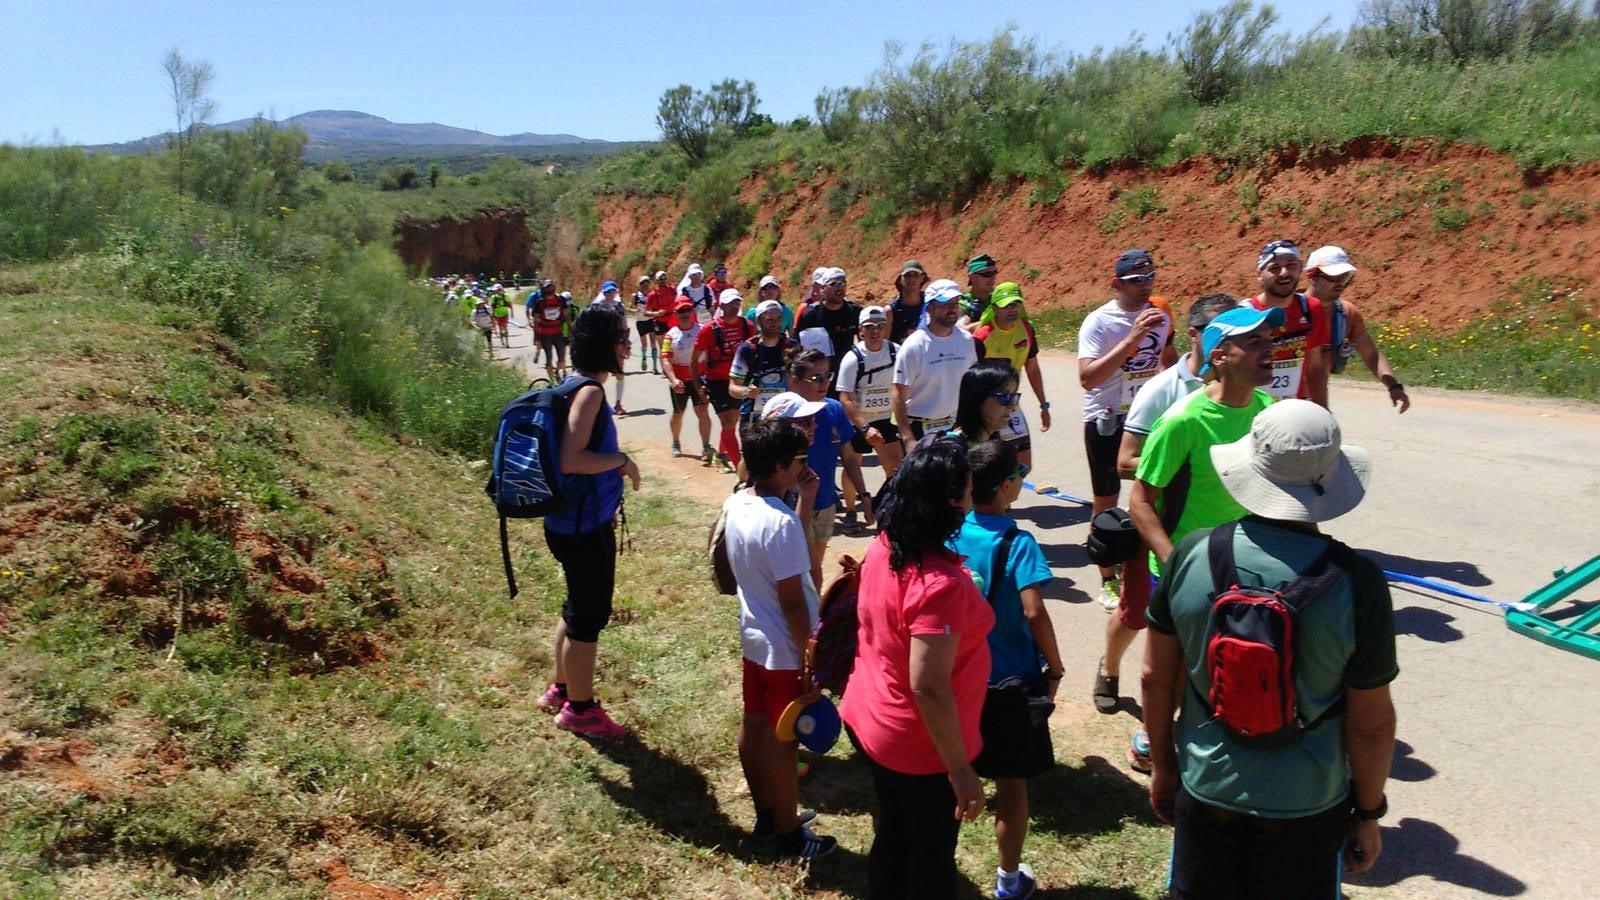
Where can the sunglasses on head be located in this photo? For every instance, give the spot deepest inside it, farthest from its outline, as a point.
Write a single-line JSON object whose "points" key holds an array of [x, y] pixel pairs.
{"points": [[1022, 471], [1007, 398], [1137, 279]]}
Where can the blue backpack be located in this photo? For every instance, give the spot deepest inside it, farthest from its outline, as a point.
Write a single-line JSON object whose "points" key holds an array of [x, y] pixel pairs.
{"points": [[525, 480]]}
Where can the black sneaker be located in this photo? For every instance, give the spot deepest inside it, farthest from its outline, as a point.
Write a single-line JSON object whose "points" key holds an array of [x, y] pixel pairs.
{"points": [[805, 845], [763, 828]]}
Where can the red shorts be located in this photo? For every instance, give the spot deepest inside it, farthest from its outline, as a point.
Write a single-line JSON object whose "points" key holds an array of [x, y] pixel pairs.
{"points": [[767, 692], [1136, 589]]}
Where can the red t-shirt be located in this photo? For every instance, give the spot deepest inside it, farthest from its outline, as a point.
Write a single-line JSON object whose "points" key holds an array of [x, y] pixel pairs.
{"points": [[1291, 343], [549, 315], [717, 286], [662, 298], [937, 598], [719, 341]]}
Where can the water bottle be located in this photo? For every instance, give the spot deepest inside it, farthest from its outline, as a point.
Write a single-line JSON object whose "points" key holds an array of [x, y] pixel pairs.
{"points": [[1105, 422]]}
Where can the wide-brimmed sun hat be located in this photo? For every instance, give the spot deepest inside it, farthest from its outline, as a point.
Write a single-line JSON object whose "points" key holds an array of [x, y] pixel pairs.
{"points": [[1291, 466]]}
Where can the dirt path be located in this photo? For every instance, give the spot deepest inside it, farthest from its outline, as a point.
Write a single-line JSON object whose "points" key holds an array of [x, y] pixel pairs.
{"points": [[1498, 732]]}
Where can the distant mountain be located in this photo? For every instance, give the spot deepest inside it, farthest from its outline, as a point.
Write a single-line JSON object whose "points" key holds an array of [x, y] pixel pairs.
{"points": [[335, 133]]}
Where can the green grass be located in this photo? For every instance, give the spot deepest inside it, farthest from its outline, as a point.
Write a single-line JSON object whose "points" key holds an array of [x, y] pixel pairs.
{"points": [[384, 721]]}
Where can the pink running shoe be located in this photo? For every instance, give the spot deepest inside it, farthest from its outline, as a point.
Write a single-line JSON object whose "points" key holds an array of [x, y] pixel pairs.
{"points": [[553, 699], [593, 723]]}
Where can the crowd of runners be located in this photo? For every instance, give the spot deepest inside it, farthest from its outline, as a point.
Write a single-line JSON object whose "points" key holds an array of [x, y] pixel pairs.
{"points": [[931, 384]]}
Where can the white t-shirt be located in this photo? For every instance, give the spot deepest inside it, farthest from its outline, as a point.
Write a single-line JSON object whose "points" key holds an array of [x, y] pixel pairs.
{"points": [[766, 545], [613, 305], [872, 384], [682, 343], [932, 368], [1101, 332], [1160, 394]]}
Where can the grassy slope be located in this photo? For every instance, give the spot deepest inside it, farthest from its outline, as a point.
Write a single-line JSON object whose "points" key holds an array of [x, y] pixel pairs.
{"points": [[380, 727]]}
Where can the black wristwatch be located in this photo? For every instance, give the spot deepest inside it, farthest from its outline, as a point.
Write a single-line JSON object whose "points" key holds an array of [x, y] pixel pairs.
{"points": [[1397, 387], [1371, 815]]}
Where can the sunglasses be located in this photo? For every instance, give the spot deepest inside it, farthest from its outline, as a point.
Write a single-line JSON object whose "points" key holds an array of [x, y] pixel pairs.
{"points": [[1005, 398], [1137, 279], [1022, 471], [800, 457], [874, 324], [815, 379], [1342, 281]]}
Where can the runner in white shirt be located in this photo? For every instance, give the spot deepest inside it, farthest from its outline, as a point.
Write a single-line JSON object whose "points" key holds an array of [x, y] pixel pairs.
{"points": [[866, 388], [1121, 346], [610, 297], [928, 369]]}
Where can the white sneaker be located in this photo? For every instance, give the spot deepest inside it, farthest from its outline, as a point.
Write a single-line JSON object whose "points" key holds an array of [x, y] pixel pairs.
{"points": [[1110, 593]]}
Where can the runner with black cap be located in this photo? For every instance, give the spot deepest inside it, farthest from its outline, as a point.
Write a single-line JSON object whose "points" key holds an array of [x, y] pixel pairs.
{"points": [[1300, 348], [1121, 346], [905, 311]]}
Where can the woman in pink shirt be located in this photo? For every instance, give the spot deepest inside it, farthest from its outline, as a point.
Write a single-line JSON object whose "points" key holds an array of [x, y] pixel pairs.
{"points": [[922, 664]]}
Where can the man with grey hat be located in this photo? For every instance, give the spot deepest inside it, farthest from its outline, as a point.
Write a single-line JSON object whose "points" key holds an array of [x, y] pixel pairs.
{"points": [[905, 311], [1283, 808]]}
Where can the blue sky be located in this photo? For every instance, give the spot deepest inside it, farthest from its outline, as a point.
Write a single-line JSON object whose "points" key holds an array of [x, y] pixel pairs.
{"points": [[88, 71]]}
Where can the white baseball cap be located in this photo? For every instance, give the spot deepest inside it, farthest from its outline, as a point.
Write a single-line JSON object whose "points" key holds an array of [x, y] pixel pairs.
{"points": [[819, 275], [943, 291], [730, 295], [1331, 261], [816, 339], [767, 306], [834, 274], [872, 314], [789, 405], [767, 280], [694, 269]]}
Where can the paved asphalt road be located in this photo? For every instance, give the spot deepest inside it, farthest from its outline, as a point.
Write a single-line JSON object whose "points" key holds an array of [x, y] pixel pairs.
{"points": [[1491, 791]]}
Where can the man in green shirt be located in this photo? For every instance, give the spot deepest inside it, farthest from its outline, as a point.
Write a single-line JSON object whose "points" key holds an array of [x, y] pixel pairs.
{"points": [[1176, 490], [1268, 819]]}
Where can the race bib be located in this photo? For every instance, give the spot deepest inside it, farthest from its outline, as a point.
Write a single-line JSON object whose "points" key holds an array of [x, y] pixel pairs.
{"points": [[1132, 383], [937, 426], [1285, 379], [877, 402], [1016, 427], [768, 386], [552, 313]]}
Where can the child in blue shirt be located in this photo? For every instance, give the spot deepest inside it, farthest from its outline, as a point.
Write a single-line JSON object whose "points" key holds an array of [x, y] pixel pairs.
{"points": [[1025, 660]]}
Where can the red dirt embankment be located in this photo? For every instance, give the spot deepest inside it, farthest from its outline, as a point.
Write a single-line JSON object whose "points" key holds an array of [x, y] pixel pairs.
{"points": [[490, 242], [1439, 232]]}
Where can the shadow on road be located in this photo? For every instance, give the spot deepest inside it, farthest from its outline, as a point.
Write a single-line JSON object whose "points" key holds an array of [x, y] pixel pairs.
{"points": [[1463, 573], [1418, 847], [1053, 514], [1430, 625], [1094, 798], [1407, 767], [651, 411], [1064, 556]]}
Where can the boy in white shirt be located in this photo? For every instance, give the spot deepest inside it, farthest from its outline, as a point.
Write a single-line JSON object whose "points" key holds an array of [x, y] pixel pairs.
{"points": [[770, 556]]}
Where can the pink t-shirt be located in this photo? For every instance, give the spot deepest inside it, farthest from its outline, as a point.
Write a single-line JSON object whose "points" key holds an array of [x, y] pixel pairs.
{"points": [[938, 598]]}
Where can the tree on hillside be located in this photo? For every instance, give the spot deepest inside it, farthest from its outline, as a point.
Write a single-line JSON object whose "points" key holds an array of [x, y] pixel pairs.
{"points": [[685, 118], [733, 105], [1464, 30], [1223, 49], [188, 84], [839, 112]]}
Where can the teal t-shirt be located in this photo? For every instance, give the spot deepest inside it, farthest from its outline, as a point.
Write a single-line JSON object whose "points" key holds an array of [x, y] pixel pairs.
{"points": [[1345, 639], [788, 317], [1177, 459], [1011, 648]]}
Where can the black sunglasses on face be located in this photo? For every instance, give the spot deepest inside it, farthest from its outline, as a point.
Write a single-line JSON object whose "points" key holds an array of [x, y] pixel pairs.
{"points": [[815, 379], [1137, 279]]}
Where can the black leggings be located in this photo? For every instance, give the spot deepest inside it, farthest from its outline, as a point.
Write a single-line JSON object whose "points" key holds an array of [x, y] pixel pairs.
{"points": [[913, 836], [589, 561], [1218, 853]]}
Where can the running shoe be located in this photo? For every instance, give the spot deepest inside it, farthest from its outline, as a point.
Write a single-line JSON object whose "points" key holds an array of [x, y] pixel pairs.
{"points": [[1110, 593], [591, 723], [806, 845], [708, 454], [764, 828], [1017, 887], [553, 699], [1139, 753], [725, 464], [617, 410], [677, 451]]}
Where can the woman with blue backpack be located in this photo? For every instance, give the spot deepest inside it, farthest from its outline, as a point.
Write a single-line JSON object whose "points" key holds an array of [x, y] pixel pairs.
{"points": [[582, 535]]}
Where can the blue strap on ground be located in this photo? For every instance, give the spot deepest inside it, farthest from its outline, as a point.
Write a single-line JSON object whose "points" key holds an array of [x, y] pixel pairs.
{"points": [[1452, 591], [1058, 495]]}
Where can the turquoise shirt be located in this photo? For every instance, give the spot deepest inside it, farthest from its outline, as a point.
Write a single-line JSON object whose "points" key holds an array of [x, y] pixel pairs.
{"points": [[1011, 648]]}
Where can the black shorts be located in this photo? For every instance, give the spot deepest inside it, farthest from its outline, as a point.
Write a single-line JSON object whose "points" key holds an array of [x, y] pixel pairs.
{"points": [[885, 428], [1013, 746], [661, 326], [1102, 450], [644, 326], [552, 341], [1221, 853], [589, 562], [721, 400], [691, 393]]}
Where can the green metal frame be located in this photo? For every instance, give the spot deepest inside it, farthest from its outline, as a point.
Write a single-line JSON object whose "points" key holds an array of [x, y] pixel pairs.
{"points": [[1577, 635]]}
